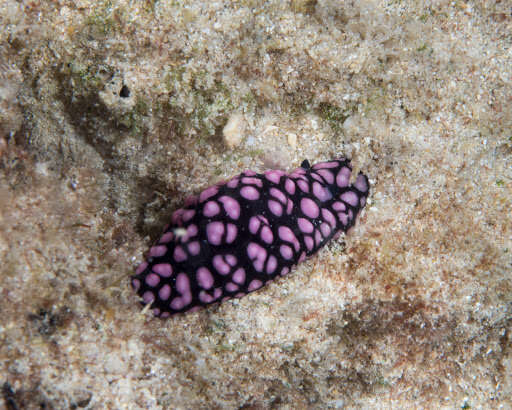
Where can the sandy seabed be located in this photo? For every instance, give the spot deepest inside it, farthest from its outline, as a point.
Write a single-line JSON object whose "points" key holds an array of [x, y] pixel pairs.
{"points": [[112, 112]]}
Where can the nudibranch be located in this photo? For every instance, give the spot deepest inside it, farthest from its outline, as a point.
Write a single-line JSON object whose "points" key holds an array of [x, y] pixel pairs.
{"points": [[236, 236]]}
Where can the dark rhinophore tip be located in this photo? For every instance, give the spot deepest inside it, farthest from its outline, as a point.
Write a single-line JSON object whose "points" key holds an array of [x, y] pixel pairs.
{"points": [[125, 92], [305, 164]]}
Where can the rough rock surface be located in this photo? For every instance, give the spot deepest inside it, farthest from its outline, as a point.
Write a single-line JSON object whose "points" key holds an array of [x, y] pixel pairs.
{"points": [[112, 112]]}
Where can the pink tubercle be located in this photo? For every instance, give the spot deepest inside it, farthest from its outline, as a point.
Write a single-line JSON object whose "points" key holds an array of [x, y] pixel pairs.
{"points": [[177, 217], [205, 297], [258, 264], [141, 268], [178, 303], [289, 206], [303, 185], [194, 248], [317, 177], [321, 192], [182, 283], [220, 265], [231, 206], [361, 183], [274, 175], [250, 193], [152, 280], [188, 214], [214, 232], [271, 264], [211, 208], [230, 259], [166, 237], [254, 224], [329, 217], [305, 225], [191, 230], [254, 250], [310, 243], [286, 252], [286, 234], [239, 276], [165, 292], [278, 194], [163, 269], [231, 287], [343, 177], [204, 278], [208, 193], [325, 229], [136, 284], [343, 217], [252, 181], [289, 185], [318, 238], [350, 198], [157, 251], [191, 200], [231, 233], [297, 172], [179, 254], [339, 206], [254, 285], [266, 235], [275, 207], [233, 183], [148, 297], [257, 254], [330, 164], [309, 208]]}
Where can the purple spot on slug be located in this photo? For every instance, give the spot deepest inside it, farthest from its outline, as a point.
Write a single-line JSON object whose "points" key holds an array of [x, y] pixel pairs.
{"points": [[164, 292], [214, 232], [255, 284], [142, 267], [204, 278], [163, 269], [231, 206], [211, 208], [361, 183], [309, 208], [250, 193], [157, 251], [289, 185], [194, 248], [274, 175], [208, 193], [239, 276], [343, 177], [350, 198], [152, 280], [275, 207]]}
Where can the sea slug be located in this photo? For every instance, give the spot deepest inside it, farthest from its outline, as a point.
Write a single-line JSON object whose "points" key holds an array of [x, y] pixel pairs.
{"points": [[236, 236]]}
